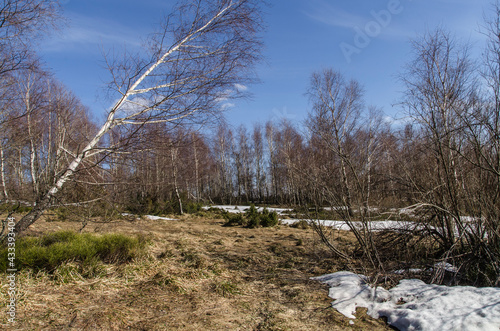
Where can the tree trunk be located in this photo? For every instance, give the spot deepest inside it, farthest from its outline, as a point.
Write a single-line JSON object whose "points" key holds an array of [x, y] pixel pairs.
{"points": [[196, 169], [174, 175], [2, 169]]}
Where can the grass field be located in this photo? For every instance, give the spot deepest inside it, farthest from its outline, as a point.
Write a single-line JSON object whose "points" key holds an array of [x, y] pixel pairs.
{"points": [[194, 274]]}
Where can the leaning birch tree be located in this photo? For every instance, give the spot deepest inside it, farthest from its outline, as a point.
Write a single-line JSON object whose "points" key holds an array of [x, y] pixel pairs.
{"points": [[201, 52]]}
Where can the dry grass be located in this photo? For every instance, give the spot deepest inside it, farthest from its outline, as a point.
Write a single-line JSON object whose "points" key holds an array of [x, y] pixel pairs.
{"points": [[196, 275]]}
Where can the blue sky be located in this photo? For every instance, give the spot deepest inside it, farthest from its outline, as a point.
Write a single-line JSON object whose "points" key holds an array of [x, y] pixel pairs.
{"points": [[302, 37]]}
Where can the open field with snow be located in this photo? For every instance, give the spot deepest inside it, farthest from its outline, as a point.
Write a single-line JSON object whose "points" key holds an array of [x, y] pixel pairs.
{"points": [[412, 304], [198, 274]]}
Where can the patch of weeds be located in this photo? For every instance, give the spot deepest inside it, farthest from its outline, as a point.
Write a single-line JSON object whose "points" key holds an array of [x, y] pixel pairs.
{"points": [[240, 264], [73, 271], [225, 288], [55, 249], [233, 219], [196, 274], [169, 282], [293, 292], [271, 272], [288, 263]]}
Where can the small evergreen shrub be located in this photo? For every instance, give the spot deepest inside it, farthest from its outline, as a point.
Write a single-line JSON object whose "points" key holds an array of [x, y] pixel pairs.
{"points": [[193, 207], [253, 217], [268, 219]]}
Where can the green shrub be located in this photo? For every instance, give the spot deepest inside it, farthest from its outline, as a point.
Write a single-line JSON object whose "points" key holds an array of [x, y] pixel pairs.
{"points": [[252, 211], [268, 219], [252, 218], [55, 249], [193, 207]]}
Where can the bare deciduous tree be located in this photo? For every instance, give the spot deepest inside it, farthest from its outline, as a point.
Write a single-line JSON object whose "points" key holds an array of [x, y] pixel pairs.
{"points": [[336, 104], [21, 22], [201, 52]]}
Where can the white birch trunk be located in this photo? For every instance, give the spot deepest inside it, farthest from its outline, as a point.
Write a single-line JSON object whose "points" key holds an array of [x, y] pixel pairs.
{"points": [[2, 169]]}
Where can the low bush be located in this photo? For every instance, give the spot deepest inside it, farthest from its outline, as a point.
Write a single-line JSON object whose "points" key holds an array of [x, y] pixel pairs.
{"points": [[52, 250], [193, 207], [252, 218], [268, 219]]}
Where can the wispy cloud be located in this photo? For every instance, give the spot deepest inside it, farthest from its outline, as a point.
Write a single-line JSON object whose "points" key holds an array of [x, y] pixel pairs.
{"points": [[327, 13], [89, 34], [240, 87]]}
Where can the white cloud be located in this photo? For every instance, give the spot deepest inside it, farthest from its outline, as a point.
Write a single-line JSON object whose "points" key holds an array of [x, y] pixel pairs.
{"points": [[227, 105], [328, 14], [240, 87], [134, 105], [88, 33]]}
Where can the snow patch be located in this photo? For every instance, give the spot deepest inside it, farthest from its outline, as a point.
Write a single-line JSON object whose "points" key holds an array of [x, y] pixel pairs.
{"points": [[415, 305], [156, 218], [373, 225], [152, 217]]}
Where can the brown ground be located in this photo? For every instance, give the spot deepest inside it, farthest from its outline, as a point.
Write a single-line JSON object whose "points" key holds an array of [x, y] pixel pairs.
{"points": [[196, 275]]}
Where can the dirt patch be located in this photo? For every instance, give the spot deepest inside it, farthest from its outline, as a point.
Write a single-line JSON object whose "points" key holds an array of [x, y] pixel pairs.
{"points": [[196, 275]]}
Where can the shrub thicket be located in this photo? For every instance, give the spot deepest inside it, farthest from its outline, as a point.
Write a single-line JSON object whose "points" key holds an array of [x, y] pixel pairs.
{"points": [[252, 218]]}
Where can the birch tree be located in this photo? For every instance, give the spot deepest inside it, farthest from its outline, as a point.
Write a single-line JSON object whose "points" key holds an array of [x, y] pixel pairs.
{"points": [[336, 107], [201, 51]]}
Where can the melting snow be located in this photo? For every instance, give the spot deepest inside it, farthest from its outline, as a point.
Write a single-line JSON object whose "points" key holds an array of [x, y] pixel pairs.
{"points": [[374, 225], [152, 217], [415, 305], [156, 218]]}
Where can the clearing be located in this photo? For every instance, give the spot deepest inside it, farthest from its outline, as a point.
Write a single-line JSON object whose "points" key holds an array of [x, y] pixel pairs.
{"points": [[195, 275]]}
